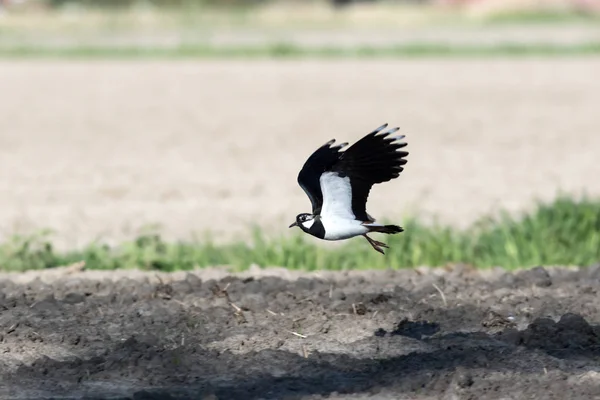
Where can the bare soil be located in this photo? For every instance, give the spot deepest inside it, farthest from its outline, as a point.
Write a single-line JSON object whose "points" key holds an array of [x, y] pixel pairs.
{"points": [[447, 333], [101, 149]]}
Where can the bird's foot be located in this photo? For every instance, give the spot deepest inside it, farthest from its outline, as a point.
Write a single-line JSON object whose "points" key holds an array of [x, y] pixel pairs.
{"points": [[377, 245], [381, 244]]}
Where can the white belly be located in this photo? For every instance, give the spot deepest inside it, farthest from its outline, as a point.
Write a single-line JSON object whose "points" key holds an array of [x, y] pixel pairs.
{"points": [[342, 228]]}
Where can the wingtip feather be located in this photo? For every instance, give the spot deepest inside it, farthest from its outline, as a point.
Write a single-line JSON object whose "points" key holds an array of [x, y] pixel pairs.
{"points": [[337, 146], [378, 130], [393, 130]]}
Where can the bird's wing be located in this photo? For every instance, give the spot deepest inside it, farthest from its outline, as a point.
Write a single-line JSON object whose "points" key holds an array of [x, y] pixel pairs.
{"points": [[376, 158], [322, 160], [337, 196]]}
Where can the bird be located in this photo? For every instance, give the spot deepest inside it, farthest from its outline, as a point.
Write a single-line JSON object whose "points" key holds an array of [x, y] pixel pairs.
{"points": [[338, 184]]}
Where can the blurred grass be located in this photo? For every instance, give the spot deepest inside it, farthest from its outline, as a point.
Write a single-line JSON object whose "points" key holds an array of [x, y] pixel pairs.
{"points": [[287, 50], [530, 17], [135, 15], [562, 232], [200, 29]]}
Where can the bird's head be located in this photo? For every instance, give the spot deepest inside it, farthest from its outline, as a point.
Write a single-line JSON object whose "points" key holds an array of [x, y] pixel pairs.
{"points": [[304, 221]]}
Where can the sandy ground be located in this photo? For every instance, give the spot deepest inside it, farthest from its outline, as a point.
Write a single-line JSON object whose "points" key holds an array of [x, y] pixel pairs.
{"points": [[421, 334], [100, 149]]}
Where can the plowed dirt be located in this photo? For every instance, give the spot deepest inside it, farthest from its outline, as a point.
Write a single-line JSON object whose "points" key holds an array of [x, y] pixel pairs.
{"points": [[453, 333]]}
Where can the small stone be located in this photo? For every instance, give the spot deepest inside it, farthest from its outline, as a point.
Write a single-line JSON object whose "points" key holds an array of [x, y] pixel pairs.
{"points": [[380, 332], [537, 276], [416, 329], [464, 379], [359, 309], [496, 320], [48, 304], [380, 298], [74, 298]]}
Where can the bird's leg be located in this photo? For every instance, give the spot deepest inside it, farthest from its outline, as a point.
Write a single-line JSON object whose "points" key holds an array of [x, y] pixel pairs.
{"points": [[376, 245], [380, 244]]}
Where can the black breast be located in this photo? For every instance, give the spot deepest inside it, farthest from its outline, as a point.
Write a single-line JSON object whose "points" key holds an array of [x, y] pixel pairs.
{"points": [[317, 229]]}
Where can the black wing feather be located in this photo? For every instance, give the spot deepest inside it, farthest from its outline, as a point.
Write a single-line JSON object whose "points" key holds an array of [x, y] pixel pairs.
{"points": [[373, 159], [322, 160]]}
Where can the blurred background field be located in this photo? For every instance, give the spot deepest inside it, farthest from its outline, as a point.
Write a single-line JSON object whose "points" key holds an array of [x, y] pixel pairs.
{"points": [[122, 120], [291, 28]]}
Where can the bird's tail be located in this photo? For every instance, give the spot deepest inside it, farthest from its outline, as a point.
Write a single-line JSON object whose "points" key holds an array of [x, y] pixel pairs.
{"points": [[389, 229]]}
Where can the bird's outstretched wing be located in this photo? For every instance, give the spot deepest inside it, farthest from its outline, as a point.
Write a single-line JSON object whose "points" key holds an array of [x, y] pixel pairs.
{"points": [[323, 159], [376, 158]]}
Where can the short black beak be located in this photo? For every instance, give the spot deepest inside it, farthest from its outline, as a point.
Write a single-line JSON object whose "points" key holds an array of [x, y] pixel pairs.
{"points": [[293, 225]]}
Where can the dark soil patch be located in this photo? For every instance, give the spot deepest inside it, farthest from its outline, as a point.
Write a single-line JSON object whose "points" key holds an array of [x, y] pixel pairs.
{"points": [[386, 335]]}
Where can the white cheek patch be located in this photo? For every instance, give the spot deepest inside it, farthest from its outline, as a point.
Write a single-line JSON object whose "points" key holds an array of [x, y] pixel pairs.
{"points": [[308, 224]]}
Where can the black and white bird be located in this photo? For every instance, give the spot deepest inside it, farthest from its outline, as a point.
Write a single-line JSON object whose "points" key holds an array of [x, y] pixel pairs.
{"points": [[338, 185]]}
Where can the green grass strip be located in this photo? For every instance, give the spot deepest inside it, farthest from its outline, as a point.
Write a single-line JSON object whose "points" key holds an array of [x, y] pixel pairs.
{"points": [[563, 232], [287, 50]]}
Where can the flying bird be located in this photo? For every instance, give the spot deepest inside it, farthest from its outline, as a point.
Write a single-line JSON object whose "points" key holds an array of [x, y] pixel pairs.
{"points": [[338, 185]]}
